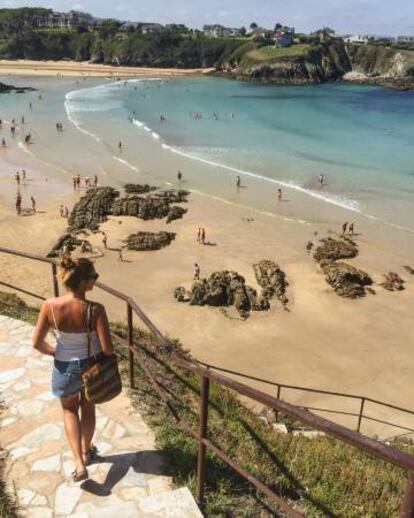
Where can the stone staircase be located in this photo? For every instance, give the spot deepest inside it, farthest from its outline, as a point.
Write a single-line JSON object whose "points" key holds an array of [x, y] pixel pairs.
{"points": [[127, 480]]}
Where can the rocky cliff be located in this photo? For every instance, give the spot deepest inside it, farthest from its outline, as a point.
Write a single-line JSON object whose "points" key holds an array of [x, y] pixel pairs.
{"points": [[5, 89], [298, 65]]}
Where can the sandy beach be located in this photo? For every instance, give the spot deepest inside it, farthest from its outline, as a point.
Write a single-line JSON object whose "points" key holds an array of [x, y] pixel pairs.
{"points": [[319, 340], [86, 69]]}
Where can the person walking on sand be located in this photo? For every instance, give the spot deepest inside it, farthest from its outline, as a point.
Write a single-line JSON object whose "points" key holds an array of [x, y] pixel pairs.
{"points": [[33, 204], [95, 181], [179, 176], [199, 235], [321, 180], [344, 227], [19, 204], [203, 236], [66, 212], [120, 256], [78, 180], [196, 272], [351, 229], [279, 194], [74, 182], [72, 318], [61, 211], [120, 146], [238, 182], [24, 175], [17, 177], [105, 240], [3, 142]]}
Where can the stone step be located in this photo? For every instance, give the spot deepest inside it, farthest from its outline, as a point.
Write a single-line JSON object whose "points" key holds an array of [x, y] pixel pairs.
{"points": [[177, 503]]}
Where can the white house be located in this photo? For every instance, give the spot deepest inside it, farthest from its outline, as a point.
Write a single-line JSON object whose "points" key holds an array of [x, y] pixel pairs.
{"points": [[357, 38]]}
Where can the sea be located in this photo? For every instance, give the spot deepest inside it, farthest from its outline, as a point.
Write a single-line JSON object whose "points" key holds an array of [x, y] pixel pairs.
{"points": [[213, 130]]}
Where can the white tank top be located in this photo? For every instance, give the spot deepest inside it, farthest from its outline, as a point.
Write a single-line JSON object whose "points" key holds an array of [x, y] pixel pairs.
{"points": [[74, 346]]}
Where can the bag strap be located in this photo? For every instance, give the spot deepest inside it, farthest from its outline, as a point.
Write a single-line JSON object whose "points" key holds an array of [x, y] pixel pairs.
{"points": [[89, 330]]}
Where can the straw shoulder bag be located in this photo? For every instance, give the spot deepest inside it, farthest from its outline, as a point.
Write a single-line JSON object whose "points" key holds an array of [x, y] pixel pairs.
{"points": [[102, 381]]}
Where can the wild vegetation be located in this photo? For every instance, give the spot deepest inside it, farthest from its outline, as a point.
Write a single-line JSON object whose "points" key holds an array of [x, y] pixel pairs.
{"points": [[320, 476]]}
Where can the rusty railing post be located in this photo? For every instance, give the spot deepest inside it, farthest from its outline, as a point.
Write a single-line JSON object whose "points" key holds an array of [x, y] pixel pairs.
{"points": [[55, 282], [130, 344], [407, 507], [361, 414], [279, 390], [201, 460]]}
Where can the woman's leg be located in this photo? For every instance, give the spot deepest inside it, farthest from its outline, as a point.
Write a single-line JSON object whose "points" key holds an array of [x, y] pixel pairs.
{"points": [[88, 422], [70, 405]]}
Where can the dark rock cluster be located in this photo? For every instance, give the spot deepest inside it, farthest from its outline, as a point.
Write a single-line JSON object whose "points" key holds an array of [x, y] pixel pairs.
{"points": [[409, 269], [346, 280], [227, 288], [136, 188], [93, 208], [393, 282], [4, 89], [333, 249], [272, 280], [68, 243], [148, 240]]}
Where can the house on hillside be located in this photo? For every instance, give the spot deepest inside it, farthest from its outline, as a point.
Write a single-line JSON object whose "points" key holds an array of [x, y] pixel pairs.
{"points": [[149, 28], [129, 27], [71, 20], [405, 39], [284, 36], [260, 32], [324, 34], [218, 31], [357, 38]]}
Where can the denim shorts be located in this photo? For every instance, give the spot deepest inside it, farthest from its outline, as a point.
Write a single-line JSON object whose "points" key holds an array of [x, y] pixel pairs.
{"points": [[67, 377]]}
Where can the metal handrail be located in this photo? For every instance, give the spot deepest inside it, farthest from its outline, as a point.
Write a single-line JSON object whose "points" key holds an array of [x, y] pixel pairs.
{"points": [[379, 450]]}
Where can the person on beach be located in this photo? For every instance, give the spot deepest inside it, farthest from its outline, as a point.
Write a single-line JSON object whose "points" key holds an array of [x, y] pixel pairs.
{"points": [[17, 177], [95, 181], [3, 142], [74, 182], [279, 194], [321, 180], [24, 175], [13, 130], [33, 204], [30, 106], [105, 240], [22, 120], [238, 182], [61, 211], [78, 180], [120, 256], [19, 204], [203, 236], [72, 317], [351, 229], [344, 227], [66, 212], [120, 146], [196, 276], [179, 176], [199, 235]]}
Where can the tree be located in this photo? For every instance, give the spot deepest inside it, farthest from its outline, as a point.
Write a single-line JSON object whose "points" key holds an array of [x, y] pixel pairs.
{"points": [[253, 26], [243, 31], [278, 26], [108, 28]]}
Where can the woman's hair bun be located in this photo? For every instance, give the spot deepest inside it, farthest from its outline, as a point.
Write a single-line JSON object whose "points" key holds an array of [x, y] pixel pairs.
{"points": [[67, 263]]}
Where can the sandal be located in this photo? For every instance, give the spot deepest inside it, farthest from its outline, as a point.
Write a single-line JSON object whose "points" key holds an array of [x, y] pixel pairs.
{"points": [[78, 477], [91, 456]]}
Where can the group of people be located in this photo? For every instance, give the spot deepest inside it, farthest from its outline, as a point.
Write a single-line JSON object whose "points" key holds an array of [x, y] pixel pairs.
{"points": [[349, 228], [87, 182], [21, 178], [19, 204], [59, 127], [201, 236], [105, 244], [63, 211]]}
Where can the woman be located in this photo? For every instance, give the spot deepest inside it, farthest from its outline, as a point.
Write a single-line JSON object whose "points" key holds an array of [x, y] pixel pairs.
{"points": [[70, 316]]}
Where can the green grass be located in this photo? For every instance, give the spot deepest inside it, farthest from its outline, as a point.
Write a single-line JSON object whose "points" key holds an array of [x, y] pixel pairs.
{"points": [[271, 53], [321, 476]]}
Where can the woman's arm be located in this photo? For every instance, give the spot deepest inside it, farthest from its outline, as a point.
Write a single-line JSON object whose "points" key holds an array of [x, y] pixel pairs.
{"points": [[102, 330], [40, 332]]}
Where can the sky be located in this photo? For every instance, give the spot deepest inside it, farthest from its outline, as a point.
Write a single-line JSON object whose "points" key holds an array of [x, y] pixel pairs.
{"points": [[345, 16]]}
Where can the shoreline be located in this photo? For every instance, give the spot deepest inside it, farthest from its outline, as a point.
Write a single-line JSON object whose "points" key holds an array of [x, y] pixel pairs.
{"points": [[87, 69]]}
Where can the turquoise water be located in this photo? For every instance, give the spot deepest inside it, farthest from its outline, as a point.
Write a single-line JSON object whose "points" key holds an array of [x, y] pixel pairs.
{"points": [[359, 138]]}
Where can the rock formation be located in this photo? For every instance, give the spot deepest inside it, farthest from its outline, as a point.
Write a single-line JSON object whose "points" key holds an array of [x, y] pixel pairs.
{"points": [[334, 249], [272, 279], [136, 188], [156, 206], [346, 280], [5, 89], [93, 208], [148, 240], [393, 282], [227, 288], [409, 269], [68, 243], [175, 212]]}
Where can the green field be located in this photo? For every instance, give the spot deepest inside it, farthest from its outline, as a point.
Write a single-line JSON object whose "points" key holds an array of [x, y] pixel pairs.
{"points": [[271, 53]]}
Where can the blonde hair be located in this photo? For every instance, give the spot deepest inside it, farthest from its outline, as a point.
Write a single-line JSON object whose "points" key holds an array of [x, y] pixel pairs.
{"points": [[74, 271]]}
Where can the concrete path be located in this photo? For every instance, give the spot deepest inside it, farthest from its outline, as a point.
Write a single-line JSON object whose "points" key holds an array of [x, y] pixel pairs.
{"points": [[128, 481]]}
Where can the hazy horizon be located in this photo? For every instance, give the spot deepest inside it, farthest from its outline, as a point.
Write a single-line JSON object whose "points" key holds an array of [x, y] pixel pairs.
{"points": [[363, 16]]}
